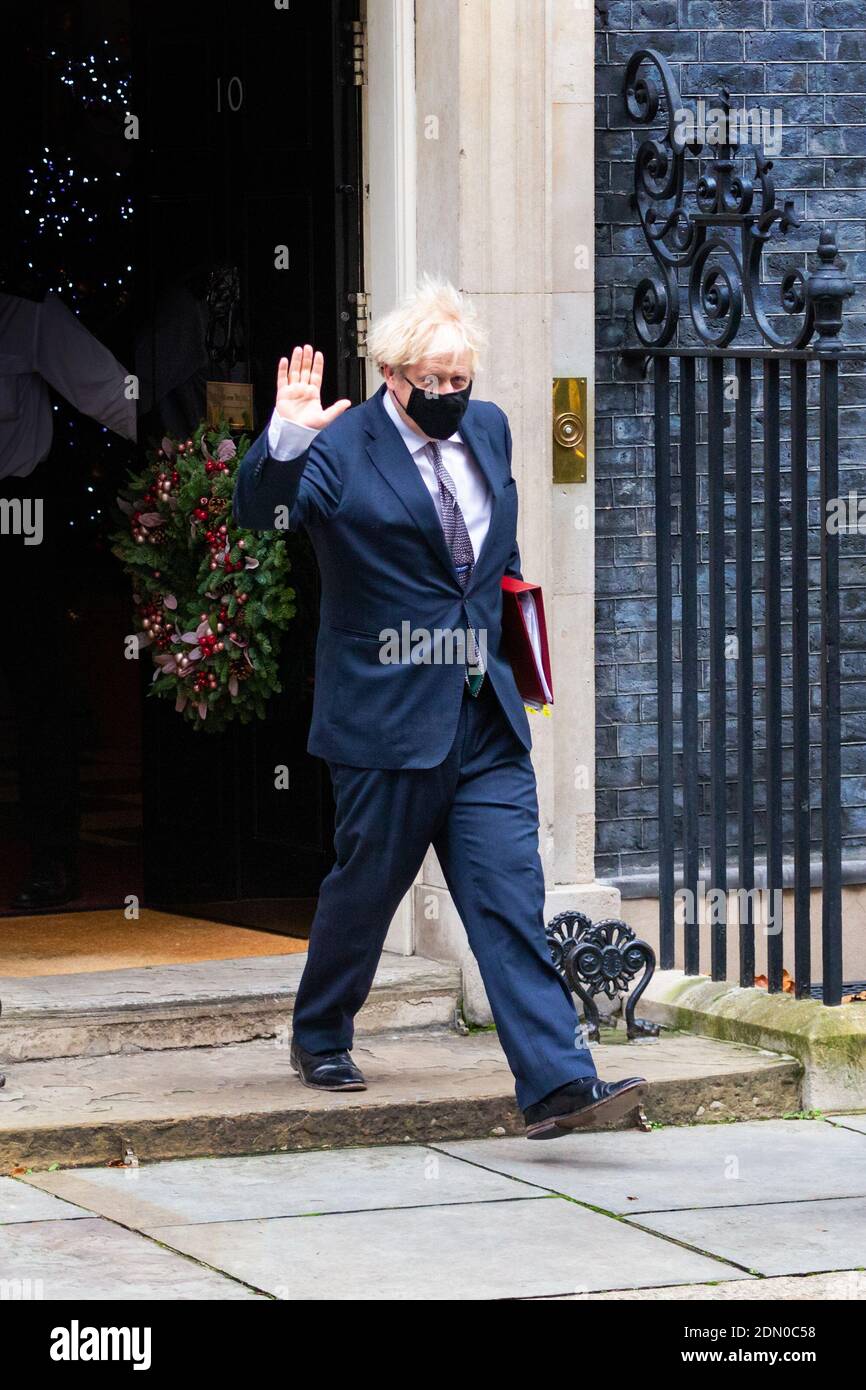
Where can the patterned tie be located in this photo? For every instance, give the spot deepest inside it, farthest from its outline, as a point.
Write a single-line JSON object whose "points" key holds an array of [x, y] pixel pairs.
{"points": [[460, 545]]}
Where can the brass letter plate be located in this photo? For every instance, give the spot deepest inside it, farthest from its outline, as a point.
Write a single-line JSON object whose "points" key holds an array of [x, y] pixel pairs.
{"points": [[231, 401], [569, 429]]}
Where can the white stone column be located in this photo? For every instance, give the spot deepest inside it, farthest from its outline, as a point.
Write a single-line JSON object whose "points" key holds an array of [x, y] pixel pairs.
{"points": [[390, 223], [572, 348], [505, 192]]}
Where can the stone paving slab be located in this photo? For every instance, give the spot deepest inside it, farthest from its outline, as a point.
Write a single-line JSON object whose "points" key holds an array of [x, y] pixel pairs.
{"points": [[774, 1238], [467, 1251], [200, 1003], [855, 1122], [850, 1285], [20, 1202], [712, 1166], [191, 983], [93, 1259], [467, 1220], [426, 1085], [194, 1191]]}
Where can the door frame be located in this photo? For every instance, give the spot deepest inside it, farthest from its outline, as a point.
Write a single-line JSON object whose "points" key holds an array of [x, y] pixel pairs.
{"points": [[389, 154]]}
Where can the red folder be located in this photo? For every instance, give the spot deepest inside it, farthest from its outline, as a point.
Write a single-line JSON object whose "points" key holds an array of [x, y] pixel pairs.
{"points": [[524, 639]]}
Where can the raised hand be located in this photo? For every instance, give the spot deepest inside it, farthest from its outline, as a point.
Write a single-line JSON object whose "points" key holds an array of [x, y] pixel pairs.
{"points": [[299, 390]]}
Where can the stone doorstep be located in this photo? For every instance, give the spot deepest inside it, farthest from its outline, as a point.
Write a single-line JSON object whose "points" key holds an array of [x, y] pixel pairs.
{"points": [[424, 1086], [200, 1004], [830, 1043]]}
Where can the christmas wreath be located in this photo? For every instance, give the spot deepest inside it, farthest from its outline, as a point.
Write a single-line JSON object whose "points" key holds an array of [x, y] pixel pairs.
{"points": [[210, 598]]}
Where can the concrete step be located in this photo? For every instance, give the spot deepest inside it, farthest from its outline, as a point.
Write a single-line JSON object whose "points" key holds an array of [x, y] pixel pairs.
{"points": [[203, 1004], [422, 1086]]}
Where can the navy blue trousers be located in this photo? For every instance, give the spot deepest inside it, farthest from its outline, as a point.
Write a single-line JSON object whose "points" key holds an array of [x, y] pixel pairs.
{"points": [[479, 810]]}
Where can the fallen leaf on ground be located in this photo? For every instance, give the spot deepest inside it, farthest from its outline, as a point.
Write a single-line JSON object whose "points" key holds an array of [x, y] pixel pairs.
{"points": [[788, 986]]}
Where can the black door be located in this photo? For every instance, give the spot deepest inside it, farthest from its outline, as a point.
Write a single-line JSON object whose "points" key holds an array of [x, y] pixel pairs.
{"points": [[249, 143]]}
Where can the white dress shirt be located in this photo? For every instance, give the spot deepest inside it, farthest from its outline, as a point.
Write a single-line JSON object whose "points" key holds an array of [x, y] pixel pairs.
{"points": [[286, 440], [47, 344]]}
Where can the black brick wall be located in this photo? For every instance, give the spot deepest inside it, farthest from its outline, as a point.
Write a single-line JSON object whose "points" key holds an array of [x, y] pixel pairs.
{"points": [[806, 59]]}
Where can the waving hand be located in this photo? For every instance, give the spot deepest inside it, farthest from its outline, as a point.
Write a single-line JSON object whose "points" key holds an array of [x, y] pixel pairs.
{"points": [[299, 390]]}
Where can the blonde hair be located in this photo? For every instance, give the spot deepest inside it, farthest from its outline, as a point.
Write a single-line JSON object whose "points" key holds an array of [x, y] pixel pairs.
{"points": [[434, 319]]}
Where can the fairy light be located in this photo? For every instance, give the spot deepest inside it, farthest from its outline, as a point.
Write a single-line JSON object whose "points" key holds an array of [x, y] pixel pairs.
{"points": [[77, 215], [64, 203]]}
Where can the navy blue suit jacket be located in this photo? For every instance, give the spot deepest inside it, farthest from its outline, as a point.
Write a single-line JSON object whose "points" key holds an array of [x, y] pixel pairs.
{"points": [[384, 562]]}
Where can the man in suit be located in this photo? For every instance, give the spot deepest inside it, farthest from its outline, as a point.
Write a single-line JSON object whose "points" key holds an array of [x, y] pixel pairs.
{"points": [[411, 508]]}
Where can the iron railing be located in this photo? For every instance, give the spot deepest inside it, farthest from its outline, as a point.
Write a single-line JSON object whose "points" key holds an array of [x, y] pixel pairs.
{"points": [[734, 343]]}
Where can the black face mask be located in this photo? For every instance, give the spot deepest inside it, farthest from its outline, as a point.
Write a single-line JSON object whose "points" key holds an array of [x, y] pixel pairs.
{"points": [[439, 416]]}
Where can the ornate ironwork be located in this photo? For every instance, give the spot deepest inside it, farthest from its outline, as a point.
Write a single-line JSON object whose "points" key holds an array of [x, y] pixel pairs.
{"points": [[224, 335], [602, 958], [724, 270]]}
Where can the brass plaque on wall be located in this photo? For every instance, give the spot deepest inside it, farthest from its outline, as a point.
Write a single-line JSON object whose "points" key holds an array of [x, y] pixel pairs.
{"points": [[569, 429], [232, 401]]}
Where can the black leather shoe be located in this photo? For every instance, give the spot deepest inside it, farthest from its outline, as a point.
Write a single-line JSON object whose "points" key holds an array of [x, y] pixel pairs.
{"points": [[579, 1103], [49, 887], [326, 1071]]}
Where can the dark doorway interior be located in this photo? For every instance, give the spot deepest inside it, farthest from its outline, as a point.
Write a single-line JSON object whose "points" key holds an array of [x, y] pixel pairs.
{"points": [[255, 147], [70, 719], [249, 141]]}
